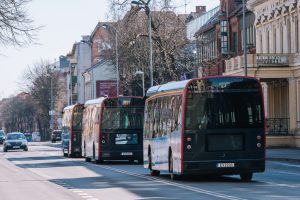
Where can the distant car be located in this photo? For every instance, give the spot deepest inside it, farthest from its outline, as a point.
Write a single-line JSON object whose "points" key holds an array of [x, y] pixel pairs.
{"points": [[56, 136], [15, 141], [65, 143], [28, 137], [2, 136]]}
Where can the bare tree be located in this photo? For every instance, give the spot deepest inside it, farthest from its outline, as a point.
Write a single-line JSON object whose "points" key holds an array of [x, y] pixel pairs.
{"points": [[168, 39], [16, 28], [37, 82]]}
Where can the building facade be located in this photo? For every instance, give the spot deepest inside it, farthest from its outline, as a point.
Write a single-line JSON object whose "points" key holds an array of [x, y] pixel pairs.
{"points": [[80, 61], [276, 63]]}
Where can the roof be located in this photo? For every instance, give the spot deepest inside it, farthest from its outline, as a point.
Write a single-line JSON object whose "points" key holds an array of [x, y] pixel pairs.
{"points": [[94, 101], [209, 24], [69, 107], [171, 86]]}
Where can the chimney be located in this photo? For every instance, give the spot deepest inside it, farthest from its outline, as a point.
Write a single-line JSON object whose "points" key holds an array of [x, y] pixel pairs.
{"points": [[200, 10]]}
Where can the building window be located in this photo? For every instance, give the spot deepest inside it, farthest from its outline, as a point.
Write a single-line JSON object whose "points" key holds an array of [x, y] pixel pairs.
{"points": [[274, 39], [224, 37], [296, 36], [235, 42]]}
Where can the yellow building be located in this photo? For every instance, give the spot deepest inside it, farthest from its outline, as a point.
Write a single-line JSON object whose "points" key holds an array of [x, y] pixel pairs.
{"points": [[277, 65]]}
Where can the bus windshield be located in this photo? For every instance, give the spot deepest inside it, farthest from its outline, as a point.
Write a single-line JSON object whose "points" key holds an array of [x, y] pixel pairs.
{"points": [[122, 118], [215, 110]]}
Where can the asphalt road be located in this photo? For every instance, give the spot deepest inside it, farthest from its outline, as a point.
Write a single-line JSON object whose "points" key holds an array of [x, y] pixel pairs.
{"points": [[43, 174]]}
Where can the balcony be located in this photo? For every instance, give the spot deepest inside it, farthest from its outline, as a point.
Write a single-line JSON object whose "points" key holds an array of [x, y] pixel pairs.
{"points": [[277, 126], [272, 60], [262, 62]]}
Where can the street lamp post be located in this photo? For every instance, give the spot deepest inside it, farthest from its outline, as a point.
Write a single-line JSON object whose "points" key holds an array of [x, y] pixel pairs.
{"points": [[146, 7], [117, 54], [244, 40], [143, 80]]}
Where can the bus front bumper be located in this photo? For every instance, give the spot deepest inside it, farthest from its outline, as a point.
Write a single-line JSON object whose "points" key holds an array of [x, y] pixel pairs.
{"points": [[224, 167]]}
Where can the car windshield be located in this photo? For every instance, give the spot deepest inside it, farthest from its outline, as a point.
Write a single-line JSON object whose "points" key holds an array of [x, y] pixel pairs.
{"points": [[1, 133], [15, 137]]}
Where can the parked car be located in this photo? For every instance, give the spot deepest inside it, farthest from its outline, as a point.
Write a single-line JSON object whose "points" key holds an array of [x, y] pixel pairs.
{"points": [[2, 136], [15, 140], [65, 143], [56, 136]]}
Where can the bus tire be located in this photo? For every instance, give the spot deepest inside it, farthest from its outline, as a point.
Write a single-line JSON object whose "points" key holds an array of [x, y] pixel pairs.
{"points": [[174, 176], [170, 161], [94, 153], [149, 159], [246, 177], [154, 172], [87, 159]]}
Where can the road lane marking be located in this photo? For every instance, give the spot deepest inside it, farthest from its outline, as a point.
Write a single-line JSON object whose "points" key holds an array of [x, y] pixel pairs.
{"points": [[287, 164], [289, 173], [197, 190]]}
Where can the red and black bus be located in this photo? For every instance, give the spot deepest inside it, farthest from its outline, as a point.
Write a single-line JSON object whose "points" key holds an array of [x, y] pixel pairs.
{"points": [[213, 125], [113, 129], [72, 130]]}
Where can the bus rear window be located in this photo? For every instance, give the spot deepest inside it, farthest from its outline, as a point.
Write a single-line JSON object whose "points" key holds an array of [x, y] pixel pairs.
{"points": [[224, 110]]}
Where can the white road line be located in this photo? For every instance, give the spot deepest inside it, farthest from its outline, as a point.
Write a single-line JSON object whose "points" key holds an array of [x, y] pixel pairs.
{"points": [[87, 197], [82, 194], [202, 191], [77, 191], [289, 173], [287, 164]]}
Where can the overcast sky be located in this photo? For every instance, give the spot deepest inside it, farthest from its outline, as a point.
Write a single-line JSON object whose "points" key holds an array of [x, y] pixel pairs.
{"points": [[64, 21]]}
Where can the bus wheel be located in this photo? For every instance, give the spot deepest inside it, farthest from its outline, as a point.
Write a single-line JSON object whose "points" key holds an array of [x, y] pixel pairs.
{"points": [[154, 172], [246, 177], [174, 176], [170, 161], [87, 159]]}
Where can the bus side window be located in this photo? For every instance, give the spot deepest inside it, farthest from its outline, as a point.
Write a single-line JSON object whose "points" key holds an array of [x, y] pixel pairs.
{"points": [[173, 107]]}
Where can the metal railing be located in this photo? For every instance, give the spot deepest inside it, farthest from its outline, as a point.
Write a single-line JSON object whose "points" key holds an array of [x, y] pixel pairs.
{"points": [[278, 126], [272, 60]]}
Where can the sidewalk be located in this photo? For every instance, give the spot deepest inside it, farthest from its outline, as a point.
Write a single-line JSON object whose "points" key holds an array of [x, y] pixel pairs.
{"points": [[283, 154]]}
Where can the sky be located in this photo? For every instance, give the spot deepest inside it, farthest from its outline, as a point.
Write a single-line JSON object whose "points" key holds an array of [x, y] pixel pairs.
{"points": [[64, 22]]}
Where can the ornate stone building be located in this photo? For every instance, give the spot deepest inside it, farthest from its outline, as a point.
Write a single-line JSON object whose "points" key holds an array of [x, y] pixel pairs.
{"points": [[277, 64]]}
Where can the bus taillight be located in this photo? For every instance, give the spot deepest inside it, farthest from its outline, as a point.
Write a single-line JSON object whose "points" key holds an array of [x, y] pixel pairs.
{"points": [[103, 139]]}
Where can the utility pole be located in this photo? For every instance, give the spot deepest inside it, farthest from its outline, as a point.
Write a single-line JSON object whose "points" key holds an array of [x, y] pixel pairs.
{"points": [[244, 40]]}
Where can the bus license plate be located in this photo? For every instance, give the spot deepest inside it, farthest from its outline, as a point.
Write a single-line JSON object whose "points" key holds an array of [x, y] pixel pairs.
{"points": [[126, 153], [225, 165]]}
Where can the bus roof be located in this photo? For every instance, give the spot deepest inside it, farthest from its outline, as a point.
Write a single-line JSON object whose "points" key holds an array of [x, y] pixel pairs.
{"points": [[70, 107], [171, 86], [95, 101]]}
